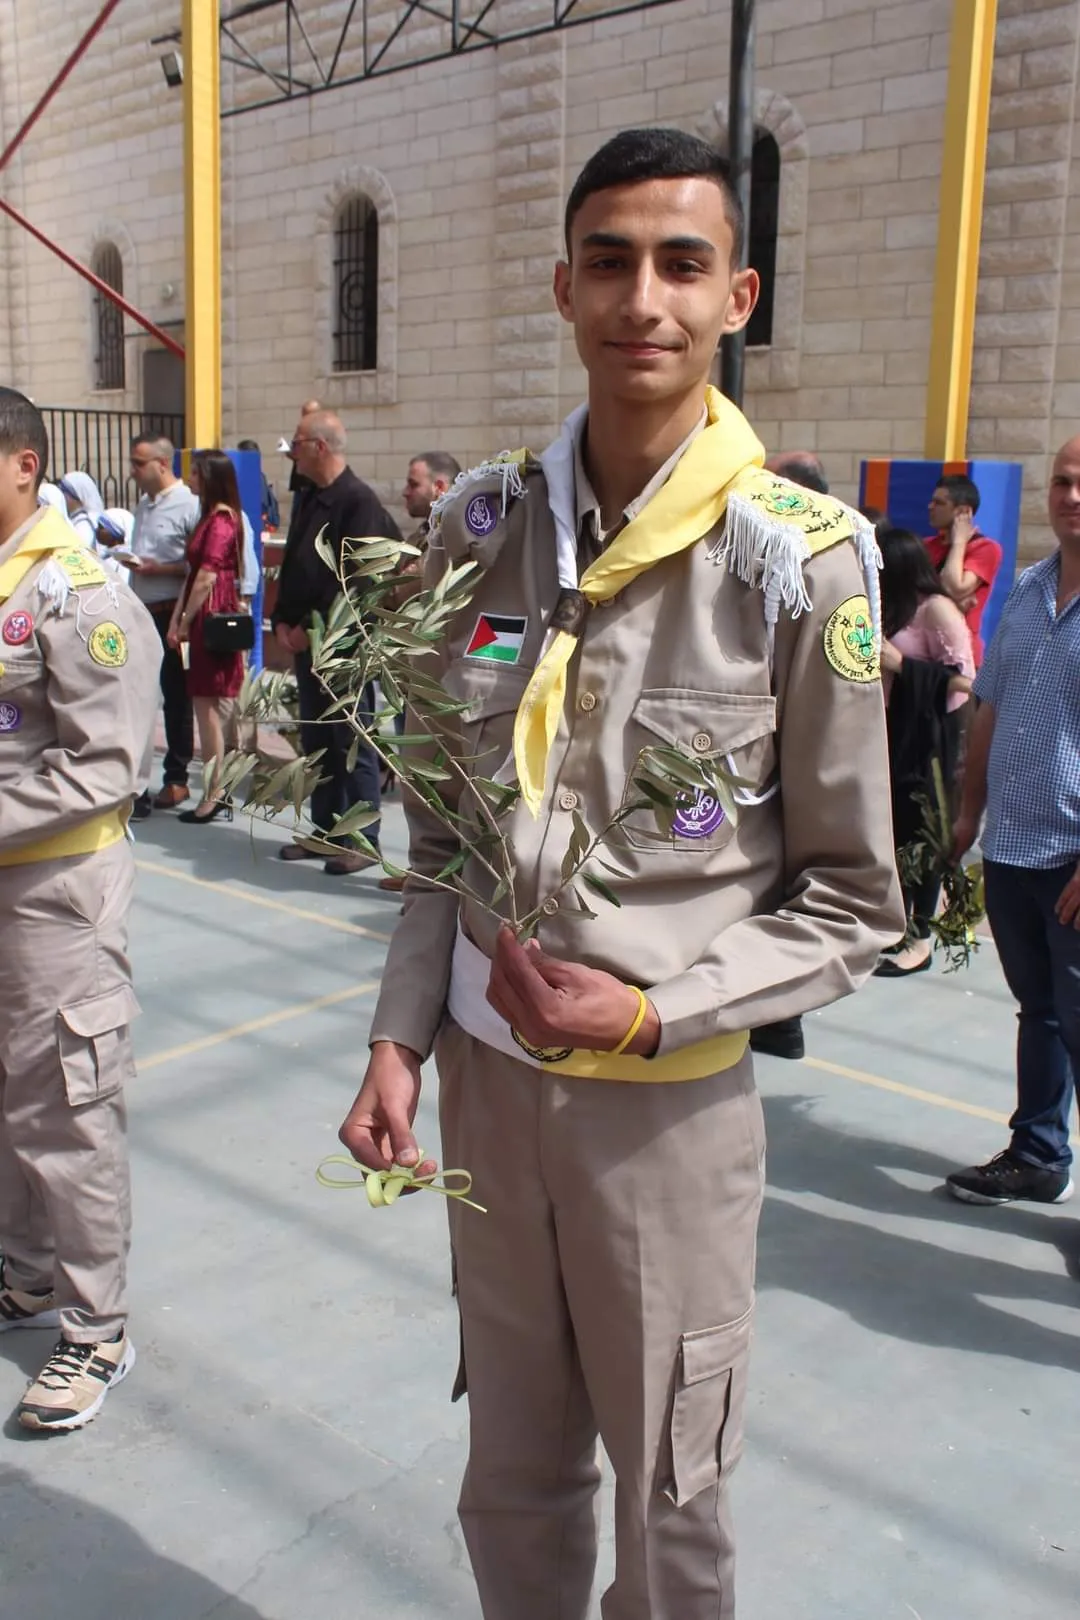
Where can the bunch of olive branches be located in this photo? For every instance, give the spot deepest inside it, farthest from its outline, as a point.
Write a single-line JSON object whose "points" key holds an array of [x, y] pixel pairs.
{"points": [[370, 638]]}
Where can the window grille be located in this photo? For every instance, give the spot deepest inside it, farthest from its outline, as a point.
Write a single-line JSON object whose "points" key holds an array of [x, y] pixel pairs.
{"points": [[356, 286], [108, 319]]}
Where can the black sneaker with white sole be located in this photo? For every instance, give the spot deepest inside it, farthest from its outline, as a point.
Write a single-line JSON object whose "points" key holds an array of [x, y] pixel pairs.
{"points": [[1005, 1179]]}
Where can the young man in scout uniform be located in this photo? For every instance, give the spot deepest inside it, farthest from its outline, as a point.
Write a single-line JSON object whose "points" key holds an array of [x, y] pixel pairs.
{"points": [[645, 584], [78, 695]]}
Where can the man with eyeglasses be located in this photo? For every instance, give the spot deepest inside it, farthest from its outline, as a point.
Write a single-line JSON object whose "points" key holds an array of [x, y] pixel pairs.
{"points": [[164, 521], [347, 508]]}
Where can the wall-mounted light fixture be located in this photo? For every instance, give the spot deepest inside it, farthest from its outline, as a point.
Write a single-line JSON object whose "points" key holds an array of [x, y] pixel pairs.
{"points": [[172, 65]]}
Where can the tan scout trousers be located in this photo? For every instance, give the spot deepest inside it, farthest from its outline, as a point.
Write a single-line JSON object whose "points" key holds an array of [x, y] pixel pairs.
{"points": [[609, 1291], [65, 1052]]}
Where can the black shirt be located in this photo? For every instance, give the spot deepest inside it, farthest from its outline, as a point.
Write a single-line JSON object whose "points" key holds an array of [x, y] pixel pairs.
{"points": [[349, 510]]}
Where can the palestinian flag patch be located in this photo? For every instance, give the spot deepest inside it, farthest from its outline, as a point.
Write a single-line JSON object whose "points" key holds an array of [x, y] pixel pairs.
{"points": [[498, 637]]}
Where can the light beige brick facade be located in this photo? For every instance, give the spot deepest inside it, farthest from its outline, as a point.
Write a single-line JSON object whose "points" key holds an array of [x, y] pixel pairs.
{"points": [[468, 161]]}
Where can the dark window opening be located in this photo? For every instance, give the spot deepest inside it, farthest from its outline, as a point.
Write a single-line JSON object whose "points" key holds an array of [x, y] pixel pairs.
{"points": [[764, 223], [108, 319], [356, 286]]}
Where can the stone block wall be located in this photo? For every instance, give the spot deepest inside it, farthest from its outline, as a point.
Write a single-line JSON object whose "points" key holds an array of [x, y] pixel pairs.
{"points": [[469, 161]]}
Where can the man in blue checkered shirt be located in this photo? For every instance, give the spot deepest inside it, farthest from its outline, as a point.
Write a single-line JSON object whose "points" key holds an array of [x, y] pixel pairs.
{"points": [[1023, 768]]}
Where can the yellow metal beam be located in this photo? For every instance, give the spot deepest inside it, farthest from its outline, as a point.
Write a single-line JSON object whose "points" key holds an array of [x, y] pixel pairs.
{"points": [[202, 221], [967, 116]]}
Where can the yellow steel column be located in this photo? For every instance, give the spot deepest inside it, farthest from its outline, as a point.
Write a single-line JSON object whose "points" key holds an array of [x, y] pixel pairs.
{"points": [[967, 115], [202, 220]]}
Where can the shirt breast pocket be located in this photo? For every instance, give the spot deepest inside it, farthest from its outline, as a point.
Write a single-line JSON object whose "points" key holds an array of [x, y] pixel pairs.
{"points": [[733, 729]]}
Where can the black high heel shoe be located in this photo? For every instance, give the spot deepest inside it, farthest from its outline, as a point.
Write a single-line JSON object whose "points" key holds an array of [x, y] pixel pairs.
{"points": [[220, 809]]}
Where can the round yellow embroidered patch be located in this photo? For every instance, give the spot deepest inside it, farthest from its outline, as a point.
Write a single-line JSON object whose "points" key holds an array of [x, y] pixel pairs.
{"points": [[543, 1054], [107, 645], [849, 641]]}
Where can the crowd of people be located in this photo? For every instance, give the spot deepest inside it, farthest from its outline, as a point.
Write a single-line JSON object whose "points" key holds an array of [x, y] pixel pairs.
{"points": [[653, 579]]}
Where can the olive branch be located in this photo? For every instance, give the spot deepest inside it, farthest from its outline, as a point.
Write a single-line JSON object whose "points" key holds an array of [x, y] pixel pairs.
{"points": [[370, 638], [930, 855]]}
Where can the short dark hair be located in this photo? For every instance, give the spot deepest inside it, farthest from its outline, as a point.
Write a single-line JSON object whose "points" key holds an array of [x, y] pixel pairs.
{"points": [[656, 154], [22, 427], [247, 444], [960, 490], [439, 463], [159, 444], [806, 470]]}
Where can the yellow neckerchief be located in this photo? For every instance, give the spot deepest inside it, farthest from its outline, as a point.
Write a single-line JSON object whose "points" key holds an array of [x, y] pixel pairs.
{"points": [[682, 511], [50, 532]]}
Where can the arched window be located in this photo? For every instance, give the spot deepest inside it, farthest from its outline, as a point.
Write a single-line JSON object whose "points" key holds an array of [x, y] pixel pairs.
{"points": [[764, 224], [356, 285], [108, 266]]}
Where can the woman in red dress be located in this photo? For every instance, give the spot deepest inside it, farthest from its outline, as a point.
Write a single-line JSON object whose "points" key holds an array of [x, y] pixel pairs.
{"points": [[214, 563]]}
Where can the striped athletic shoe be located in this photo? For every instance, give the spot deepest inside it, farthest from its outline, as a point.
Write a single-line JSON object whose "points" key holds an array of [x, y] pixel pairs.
{"points": [[70, 1389], [19, 1309]]}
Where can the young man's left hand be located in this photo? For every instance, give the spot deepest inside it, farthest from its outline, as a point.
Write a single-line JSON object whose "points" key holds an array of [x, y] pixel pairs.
{"points": [[554, 1003]]}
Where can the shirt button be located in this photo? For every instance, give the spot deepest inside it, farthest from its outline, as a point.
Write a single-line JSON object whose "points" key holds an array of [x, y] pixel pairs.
{"points": [[701, 743], [550, 907], [568, 799], [587, 701]]}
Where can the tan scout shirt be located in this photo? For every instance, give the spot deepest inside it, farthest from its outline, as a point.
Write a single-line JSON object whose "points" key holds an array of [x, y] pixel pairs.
{"points": [[728, 926], [78, 701]]}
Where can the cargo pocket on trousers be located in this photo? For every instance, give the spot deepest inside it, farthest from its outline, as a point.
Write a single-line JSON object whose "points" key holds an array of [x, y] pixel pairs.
{"points": [[707, 1408], [95, 1045]]}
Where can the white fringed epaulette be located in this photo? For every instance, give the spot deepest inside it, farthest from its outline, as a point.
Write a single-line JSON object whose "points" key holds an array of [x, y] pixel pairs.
{"points": [[506, 466], [772, 528]]}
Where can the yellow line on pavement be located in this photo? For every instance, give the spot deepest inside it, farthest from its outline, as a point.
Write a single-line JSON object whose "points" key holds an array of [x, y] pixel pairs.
{"points": [[253, 1025], [880, 1083], [263, 900]]}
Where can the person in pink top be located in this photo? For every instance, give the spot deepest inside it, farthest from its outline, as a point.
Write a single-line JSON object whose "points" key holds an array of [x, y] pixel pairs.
{"points": [[214, 568], [928, 665]]}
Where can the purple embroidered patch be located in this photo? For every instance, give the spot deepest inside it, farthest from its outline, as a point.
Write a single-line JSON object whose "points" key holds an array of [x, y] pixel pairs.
{"points": [[481, 515], [699, 817], [10, 717]]}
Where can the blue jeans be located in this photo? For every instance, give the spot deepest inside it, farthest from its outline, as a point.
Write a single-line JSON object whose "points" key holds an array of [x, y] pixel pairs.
{"points": [[340, 786], [1041, 963]]}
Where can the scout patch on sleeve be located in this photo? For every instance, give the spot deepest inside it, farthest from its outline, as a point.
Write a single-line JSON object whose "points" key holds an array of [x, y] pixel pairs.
{"points": [[498, 638], [107, 645], [81, 566], [849, 641]]}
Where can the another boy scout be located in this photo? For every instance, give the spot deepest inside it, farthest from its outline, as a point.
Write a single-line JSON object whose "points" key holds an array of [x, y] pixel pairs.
{"points": [[78, 694], [644, 583]]}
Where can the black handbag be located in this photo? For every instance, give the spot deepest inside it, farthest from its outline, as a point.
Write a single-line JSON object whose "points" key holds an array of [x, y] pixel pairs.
{"points": [[228, 633]]}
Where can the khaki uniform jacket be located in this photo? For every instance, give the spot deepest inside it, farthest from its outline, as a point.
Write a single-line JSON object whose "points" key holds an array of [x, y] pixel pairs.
{"points": [[737, 925], [78, 700]]}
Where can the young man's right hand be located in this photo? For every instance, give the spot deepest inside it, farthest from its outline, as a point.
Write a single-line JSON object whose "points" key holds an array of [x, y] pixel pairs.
{"points": [[377, 1130]]}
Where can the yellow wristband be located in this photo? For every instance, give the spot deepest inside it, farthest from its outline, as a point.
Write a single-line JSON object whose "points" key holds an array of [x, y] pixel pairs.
{"points": [[639, 1019]]}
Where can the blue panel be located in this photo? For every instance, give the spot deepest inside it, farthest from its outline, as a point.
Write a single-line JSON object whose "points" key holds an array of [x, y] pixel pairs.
{"points": [[911, 484], [1000, 484]]}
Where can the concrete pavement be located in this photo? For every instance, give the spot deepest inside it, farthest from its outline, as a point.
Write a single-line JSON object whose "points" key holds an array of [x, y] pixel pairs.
{"points": [[286, 1450]]}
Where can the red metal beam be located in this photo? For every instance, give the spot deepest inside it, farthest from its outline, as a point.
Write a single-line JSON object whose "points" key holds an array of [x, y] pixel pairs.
{"points": [[80, 50], [95, 281], [13, 213]]}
